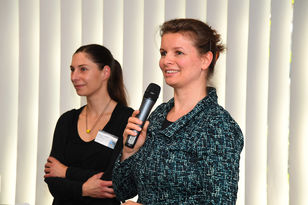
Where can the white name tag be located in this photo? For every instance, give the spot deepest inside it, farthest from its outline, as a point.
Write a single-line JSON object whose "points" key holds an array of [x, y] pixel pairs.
{"points": [[106, 139]]}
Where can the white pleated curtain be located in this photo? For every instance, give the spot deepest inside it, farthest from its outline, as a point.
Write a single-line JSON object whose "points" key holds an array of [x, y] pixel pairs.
{"points": [[261, 80]]}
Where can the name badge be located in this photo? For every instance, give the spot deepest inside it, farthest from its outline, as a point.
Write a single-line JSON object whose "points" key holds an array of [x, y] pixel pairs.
{"points": [[106, 139]]}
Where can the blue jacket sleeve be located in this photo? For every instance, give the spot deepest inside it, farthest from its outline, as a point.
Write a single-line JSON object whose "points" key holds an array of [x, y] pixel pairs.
{"points": [[219, 154], [123, 179]]}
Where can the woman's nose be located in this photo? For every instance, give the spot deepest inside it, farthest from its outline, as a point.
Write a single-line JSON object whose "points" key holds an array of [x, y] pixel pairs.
{"points": [[74, 75], [168, 59]]}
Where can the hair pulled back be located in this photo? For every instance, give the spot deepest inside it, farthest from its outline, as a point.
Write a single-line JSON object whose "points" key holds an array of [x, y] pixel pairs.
{"points": [[101, 56], [204, 37]]}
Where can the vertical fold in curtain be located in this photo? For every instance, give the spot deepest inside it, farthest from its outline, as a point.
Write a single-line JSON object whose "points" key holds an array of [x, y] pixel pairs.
{"points": [[298, 159]]}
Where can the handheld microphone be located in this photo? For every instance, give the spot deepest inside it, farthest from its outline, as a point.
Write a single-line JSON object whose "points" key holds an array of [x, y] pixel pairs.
{"points": [[149, 98]]}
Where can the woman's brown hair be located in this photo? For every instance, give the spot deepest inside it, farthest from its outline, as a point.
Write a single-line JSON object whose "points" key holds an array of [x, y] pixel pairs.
{"points": [[102, 56]]}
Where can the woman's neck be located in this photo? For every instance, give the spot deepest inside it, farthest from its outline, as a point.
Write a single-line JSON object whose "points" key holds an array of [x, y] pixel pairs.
{"points": [[184, 101], [96, 104]]}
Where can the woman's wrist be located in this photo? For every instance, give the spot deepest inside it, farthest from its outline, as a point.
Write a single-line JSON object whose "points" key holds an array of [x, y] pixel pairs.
{"points": [[84, 189], [65, 171], [125, 155]]}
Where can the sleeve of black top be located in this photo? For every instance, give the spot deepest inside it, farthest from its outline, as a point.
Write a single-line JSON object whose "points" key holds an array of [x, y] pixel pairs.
{"points": [[60, 137], [76, 173], [62, 187]]}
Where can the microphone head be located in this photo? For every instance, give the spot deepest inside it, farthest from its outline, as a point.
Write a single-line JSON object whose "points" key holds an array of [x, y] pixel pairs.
{"points": [[152, 91]]}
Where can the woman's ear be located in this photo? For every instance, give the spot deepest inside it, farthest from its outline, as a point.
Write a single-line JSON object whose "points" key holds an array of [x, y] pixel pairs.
{"points": [[106, 71], [206, 60]]}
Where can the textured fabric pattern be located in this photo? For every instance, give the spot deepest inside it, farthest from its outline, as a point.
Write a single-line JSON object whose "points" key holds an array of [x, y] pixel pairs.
{"points": [[195, 160]]}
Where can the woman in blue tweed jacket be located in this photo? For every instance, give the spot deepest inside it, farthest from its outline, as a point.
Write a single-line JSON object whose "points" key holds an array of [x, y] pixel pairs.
{"points": [[189, 150]]}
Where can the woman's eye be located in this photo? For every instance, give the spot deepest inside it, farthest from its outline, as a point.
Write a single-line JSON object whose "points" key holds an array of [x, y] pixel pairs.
{"points": [[83, 69], [179, 52], [72, 69], [163, 53]]}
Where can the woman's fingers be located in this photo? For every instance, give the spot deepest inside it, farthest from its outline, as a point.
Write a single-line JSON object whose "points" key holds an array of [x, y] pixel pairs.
{"points": [[107, 183], [133, 126], [108, 190]]}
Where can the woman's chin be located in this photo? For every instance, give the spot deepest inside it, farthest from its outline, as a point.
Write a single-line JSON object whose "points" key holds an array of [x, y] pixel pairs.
{"points": [[81, 94]]}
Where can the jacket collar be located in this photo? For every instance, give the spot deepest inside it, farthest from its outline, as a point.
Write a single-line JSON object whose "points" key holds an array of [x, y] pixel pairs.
{"points": [[201, 106]]}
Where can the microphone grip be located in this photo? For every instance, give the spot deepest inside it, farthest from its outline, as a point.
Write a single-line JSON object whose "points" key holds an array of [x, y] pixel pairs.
{"points": [[145, 108]]}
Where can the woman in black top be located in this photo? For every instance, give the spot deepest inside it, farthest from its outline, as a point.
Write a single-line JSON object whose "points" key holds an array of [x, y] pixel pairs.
{"points": [[87, 141]]}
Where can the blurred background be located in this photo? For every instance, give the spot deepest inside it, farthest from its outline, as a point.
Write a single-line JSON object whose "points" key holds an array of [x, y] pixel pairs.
{"points": [[261, 80]]}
